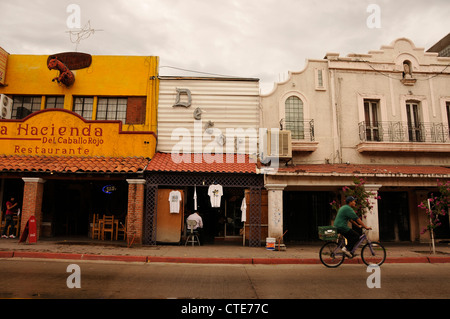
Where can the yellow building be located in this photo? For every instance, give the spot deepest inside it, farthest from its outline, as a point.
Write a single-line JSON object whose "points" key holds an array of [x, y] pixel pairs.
{"points": [[76, 133]]}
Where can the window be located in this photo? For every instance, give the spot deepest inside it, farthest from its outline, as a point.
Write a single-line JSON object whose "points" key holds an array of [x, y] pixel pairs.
{"points": [[371, 109], [112, 109], [25, 105], [294, 117], [414, 124], [54, 102], [319, 79], [84, 106]]}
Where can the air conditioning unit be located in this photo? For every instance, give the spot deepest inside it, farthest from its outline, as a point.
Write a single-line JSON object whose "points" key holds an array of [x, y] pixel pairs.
{"points": [[5, 107], [279, 144]]}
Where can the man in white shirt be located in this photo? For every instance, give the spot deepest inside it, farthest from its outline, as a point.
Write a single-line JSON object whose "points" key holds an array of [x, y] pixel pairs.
{"points": [[195, 216], [199, 227]]}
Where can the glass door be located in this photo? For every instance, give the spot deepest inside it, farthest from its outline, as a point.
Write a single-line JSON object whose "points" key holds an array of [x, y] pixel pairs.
{"points": [[233, 223], [371, 119]]}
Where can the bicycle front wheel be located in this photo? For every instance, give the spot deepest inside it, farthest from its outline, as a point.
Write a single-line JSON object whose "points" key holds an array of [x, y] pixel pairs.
{"points": [[373, 254], [331, 255]]}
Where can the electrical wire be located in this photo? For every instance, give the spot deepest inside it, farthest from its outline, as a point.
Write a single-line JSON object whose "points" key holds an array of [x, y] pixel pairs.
{"points": [[193, 71]]}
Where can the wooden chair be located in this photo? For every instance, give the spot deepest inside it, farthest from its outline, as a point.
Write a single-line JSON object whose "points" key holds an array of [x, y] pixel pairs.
{"points": [[96, 227], [122, 230], [108, 226]]}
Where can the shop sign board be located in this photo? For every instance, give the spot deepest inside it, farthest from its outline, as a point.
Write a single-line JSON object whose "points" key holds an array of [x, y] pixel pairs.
{"points": [[58, 132], [109, 189], [29, 231]]}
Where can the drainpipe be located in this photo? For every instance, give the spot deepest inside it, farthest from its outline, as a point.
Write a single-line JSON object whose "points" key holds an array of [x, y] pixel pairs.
{"points": [[335, 117]]}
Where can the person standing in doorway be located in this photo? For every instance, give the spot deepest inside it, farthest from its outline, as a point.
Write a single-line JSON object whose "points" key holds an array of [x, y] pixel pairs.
{"points": [[11, 210]]}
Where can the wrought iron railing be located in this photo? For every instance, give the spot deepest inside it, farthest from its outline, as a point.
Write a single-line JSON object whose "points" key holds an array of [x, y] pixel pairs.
{"points": [[404, 132], [300, 130]]}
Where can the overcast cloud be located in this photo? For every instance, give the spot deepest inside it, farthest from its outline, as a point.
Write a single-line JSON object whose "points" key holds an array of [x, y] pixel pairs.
{"points": [[248, 38]]}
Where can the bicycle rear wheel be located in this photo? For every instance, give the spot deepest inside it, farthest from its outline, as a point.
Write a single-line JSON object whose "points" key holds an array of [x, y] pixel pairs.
{"points": [[331, 255], [373, 254]]}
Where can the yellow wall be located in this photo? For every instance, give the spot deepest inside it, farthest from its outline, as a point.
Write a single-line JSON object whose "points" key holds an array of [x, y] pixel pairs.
{"points": [[108, 76]]}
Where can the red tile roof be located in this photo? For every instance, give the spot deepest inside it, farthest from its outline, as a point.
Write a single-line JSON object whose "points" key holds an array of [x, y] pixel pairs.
{"points": [[61, 164], [354, 169], [210, 163]]}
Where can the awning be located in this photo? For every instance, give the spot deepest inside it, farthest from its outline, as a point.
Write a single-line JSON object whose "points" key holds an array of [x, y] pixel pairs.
{"points": [[62, 164], [367, 170], [203, 163]]}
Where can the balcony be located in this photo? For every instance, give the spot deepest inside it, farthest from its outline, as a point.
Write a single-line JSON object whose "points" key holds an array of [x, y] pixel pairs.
{"points": [[403, 137], [302, 135]]}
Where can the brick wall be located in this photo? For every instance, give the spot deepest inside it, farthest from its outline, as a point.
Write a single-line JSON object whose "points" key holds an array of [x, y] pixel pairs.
{"points": [[32, 202], [135, 216]]}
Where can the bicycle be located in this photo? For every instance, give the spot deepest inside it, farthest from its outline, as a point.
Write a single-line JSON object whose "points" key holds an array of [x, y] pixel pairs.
{"points": [[372, 253]]}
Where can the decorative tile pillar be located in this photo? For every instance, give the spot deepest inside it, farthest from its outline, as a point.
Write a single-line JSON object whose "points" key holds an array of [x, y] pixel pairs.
{"points": [[135, 210], [33, 191], [371, 218], [275, 209]]}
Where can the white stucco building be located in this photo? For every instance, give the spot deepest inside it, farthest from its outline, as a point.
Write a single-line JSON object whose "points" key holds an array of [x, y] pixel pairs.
{"points": [[382, 116]]}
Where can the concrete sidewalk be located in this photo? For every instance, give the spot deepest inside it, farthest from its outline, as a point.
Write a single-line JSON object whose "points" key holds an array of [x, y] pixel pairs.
{"points": [[223, 253]]}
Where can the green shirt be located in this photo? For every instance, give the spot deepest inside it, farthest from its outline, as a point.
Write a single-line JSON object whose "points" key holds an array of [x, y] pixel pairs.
{"points": [[345, 213]]}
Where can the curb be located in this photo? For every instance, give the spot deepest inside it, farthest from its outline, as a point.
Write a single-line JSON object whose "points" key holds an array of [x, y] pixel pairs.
{"points": [[76, 256], [208, 260], [199, 260]]}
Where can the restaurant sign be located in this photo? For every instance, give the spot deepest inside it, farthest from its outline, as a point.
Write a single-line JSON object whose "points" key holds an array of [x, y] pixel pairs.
{"points": [[64, 133]]}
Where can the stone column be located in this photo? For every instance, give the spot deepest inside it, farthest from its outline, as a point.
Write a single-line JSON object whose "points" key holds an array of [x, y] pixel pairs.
{"points": [[135, 209], [275, 209], [371, 218], [33, 191]]}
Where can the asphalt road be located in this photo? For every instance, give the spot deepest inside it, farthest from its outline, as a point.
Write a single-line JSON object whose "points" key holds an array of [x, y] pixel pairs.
{"points": [[106, 280]]}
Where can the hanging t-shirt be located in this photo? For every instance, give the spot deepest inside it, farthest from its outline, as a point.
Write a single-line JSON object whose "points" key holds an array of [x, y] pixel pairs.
{"points": [[215, 193], [195, 198], [174, 200], [244, 211]]}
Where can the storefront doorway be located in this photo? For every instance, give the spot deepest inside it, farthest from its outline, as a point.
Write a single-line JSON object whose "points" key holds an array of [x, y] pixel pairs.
{"points": [[68, 206], [10, 188], [221, 223], [393, 216], [303, 212], [234, 186]]}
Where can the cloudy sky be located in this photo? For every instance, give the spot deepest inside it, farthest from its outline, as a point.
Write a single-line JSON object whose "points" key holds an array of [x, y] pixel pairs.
{"points": [[247, 38]]}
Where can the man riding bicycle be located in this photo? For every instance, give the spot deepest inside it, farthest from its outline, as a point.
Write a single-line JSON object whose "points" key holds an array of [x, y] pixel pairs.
{"points": [[345, 214]]}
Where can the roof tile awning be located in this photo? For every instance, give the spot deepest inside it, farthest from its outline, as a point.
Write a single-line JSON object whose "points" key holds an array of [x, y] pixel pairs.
{"points": [[355, 169], [202, 163], [61, 164]]}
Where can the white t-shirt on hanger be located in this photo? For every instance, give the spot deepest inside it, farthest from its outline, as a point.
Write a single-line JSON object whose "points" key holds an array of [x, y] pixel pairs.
{"points": [[244, 210], [195, 198], [174, 200], [215, 193]]}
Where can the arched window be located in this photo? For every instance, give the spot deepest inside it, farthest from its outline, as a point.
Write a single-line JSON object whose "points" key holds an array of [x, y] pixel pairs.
{"points": [[294, 121]]}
